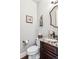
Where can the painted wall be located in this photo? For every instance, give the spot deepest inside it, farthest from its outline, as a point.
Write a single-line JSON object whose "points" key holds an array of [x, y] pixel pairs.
{"points": [[28, 31], [44, 7]]}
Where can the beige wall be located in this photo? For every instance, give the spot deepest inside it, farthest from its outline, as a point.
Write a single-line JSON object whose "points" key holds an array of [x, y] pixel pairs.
{"points": [[27, 30], [44, 7]]}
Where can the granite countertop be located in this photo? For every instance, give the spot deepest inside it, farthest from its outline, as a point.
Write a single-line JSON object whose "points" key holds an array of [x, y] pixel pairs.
{"points": [[52, 42]]}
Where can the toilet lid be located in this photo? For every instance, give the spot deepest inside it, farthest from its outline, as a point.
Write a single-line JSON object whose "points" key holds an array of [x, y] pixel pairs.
{"points": [[32, 48]]}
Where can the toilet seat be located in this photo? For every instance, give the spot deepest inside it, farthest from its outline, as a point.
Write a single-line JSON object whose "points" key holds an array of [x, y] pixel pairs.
{"points": [[32, 50]]}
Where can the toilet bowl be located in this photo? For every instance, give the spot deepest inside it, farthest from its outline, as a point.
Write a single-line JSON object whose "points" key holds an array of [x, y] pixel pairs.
{"points": [[33, 51]]}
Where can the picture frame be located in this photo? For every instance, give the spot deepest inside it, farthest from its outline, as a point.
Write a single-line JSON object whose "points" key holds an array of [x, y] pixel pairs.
{"points": [[29, 19]]}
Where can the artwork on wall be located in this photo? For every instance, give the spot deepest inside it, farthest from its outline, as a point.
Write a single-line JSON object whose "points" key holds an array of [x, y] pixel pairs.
{"points": [[29, 19], [41, 20]]}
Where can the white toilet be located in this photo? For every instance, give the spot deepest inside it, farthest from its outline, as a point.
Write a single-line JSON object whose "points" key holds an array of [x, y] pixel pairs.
{"points": [[33, 51]]}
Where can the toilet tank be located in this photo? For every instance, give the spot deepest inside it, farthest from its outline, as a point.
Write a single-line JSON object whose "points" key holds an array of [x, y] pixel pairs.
{"points": [[38, 42]]}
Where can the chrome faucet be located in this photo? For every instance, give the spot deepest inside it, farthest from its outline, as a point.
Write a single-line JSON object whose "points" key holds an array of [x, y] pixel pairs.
{"points": [[53, 35]]}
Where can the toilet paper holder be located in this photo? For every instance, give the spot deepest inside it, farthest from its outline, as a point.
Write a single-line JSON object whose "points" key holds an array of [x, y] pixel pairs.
{"points": [[25, 42]]}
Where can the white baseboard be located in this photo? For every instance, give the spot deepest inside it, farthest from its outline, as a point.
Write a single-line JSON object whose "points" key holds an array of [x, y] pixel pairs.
{"points": [[23, 54]]}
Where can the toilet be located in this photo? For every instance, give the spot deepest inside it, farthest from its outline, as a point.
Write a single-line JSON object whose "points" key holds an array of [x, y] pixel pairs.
{"points": [[33, 51]]}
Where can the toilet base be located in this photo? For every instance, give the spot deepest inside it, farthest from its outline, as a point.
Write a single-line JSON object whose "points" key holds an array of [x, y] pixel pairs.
{"points": [[36, 56]]}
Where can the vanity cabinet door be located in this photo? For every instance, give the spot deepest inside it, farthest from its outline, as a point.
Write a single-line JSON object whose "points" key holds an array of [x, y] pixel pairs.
{"points": [[47, 51], [43, 56], [47, 55]]}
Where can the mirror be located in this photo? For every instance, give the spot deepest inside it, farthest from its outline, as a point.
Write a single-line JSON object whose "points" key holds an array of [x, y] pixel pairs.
{"points": [[53, 16]]}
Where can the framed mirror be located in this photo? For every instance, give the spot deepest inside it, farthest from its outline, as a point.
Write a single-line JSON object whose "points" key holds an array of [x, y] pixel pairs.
{"points": [[53, 16]]}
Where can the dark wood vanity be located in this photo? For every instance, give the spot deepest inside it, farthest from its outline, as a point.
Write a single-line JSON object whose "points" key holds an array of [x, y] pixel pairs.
{"points": [[48, 51]]}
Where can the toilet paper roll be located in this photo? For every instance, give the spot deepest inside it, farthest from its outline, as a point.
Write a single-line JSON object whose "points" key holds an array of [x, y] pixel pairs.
{"points": [[26, 41]]}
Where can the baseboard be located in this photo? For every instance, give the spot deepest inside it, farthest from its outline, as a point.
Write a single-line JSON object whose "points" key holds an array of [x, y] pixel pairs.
{"points": [[23, 54]]}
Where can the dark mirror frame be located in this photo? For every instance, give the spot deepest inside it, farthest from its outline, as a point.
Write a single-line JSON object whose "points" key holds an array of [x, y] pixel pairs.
{"points": [[51, 17]]}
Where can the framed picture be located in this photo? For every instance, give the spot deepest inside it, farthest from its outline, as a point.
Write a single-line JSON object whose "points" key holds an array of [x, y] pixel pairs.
{"points": [[29, 19]]}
